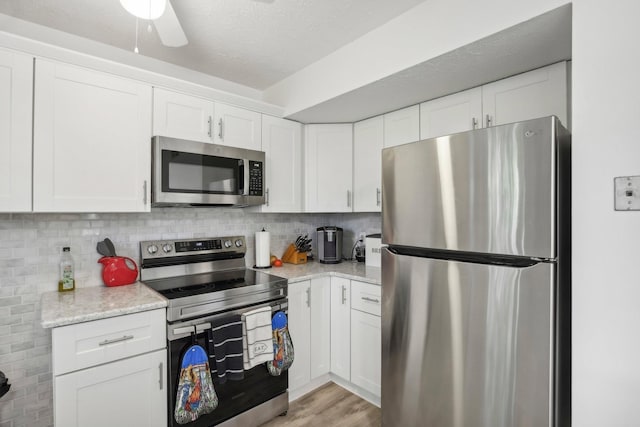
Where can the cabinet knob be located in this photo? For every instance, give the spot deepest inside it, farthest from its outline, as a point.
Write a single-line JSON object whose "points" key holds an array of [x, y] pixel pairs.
{"points": [[378, 192], [474, 123], [220, 132], [210, 121], [489, 120]]}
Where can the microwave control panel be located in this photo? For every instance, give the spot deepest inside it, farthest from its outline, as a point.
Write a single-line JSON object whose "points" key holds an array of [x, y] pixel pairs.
{"points": [[255, 178]]}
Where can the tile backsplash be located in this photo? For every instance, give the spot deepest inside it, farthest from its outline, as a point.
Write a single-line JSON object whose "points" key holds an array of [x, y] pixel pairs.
{"points": [[30, 249]]}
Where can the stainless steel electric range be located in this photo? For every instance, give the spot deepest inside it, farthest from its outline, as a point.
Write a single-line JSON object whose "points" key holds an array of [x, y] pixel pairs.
{"points": [[204, 280]]}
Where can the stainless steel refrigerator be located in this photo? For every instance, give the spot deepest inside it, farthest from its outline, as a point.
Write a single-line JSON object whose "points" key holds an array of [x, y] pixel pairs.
{"points": [[476, 280]]}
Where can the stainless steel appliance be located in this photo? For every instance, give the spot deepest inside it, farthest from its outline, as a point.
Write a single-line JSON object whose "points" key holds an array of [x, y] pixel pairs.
{"points": [[329, 244], [205, 280], [189, 173], [476, 278]]}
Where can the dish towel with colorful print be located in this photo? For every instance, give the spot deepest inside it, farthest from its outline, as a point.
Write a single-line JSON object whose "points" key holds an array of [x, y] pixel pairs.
{"points": [[283, 353], [196, 395], [224, 340], [256, 328]]}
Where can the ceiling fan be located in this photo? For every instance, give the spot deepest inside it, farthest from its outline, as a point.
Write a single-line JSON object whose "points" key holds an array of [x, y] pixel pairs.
{"points": [[164, 19]]}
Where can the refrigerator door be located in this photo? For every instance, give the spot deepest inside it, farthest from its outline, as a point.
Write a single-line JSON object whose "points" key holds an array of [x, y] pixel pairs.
{"points": [[491, 191], [466, 344]]}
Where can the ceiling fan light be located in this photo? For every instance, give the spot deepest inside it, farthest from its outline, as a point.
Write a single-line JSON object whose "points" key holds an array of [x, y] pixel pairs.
{"points": [[145, 9]]}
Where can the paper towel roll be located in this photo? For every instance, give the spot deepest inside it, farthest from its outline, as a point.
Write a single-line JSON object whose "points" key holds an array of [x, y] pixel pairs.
{"points": [[263, 251]]}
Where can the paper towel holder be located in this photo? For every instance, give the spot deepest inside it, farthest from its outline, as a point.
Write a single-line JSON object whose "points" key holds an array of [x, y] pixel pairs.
{"points": [[258, 249]]}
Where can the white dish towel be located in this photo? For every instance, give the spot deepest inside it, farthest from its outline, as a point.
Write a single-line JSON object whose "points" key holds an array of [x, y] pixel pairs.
{"points": [[257, 343]]}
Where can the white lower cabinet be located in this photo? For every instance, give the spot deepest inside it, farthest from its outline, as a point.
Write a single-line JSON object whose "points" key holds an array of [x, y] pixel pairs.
{"points": [[340, 329], [129, 392], [366, 348], [111, 372], [309, 326], [299, 320]]}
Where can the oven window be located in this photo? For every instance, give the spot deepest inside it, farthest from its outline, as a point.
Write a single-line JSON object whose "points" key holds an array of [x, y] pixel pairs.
{"points": [[197, 173]]}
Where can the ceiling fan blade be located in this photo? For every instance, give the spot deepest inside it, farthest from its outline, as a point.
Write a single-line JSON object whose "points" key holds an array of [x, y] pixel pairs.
{"points": [[169, 28]]}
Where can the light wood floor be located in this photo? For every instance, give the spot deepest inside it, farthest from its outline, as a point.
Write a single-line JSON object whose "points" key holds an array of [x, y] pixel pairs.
{"points": [[328, 406]]}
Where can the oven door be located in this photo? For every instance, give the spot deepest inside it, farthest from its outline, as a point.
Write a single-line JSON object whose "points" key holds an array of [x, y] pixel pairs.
{"points": [[234, 397], [197, 173]]}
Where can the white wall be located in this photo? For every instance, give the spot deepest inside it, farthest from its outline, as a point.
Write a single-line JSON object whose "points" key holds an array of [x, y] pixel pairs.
{"points": [[428, 30], [606, 244]]}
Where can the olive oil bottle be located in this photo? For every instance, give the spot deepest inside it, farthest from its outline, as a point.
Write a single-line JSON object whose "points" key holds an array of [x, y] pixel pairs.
{"points": [[66, 282]]}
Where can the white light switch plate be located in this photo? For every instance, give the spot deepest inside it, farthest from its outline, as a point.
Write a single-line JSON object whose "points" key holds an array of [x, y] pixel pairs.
{"points": [[627, 193]]}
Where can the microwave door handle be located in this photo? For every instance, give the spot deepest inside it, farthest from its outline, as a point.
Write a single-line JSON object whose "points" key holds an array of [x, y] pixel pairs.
{"points": [[244, 165]]}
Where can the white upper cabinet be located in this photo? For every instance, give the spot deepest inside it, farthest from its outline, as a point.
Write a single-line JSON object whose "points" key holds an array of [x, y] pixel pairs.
{"points": [[537, 93], [282, 144], [368, 139], [16, 95], [455, 113], [402, 126], [182, 116], [91, 142], [328, 163], [237, 127]]}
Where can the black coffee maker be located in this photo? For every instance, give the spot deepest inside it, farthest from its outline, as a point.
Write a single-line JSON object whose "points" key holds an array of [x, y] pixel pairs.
{"points": [[329, 244]]}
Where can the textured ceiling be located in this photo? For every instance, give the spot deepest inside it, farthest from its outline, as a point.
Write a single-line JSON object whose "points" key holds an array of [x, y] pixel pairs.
{"points": [[252, 42]]}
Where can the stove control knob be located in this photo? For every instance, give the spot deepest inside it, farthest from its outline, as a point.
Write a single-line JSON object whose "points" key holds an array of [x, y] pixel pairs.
{"points": [[227, 243], [239, 243], [167, 248], [152, 249]]}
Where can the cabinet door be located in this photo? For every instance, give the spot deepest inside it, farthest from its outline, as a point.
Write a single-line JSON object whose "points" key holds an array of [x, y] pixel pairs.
{"points": [[182, 116], [282, 144], [92, 141], [402, 126], [237, 127], [129, 392], [537, 93], [16, 89], [299, 318], [455, 113], [340, 327], [320, 326], [328, 160], [366, 349], [368, 138]]}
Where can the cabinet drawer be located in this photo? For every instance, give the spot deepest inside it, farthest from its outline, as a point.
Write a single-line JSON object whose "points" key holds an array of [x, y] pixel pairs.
{"points": [[100, 341], [366, 297]]}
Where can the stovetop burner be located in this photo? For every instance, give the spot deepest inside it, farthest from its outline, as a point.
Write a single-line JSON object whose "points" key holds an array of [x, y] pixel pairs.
{"points": [[198, 276]]}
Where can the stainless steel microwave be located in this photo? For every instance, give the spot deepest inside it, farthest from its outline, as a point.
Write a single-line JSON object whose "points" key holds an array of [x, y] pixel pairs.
{"points": [[190, 173]]}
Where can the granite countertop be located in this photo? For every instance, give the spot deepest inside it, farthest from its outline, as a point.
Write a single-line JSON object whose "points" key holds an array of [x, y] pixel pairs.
{"points": [[100, 302], [346, 269]]}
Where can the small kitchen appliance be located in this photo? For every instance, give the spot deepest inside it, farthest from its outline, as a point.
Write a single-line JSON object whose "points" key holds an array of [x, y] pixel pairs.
{"points": [[372, 251], [205, 281], [329, 244], [191, 173]]}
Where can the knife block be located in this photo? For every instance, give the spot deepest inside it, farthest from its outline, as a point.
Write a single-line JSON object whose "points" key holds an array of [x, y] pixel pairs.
{"points": [[292, 256]]}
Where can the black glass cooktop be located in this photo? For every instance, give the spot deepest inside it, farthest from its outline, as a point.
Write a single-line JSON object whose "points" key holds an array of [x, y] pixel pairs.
{"points": [[196, 284]]}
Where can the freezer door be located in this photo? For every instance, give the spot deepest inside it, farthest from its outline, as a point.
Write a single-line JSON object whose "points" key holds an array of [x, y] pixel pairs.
{"points": [[491, 190], [466, 344]]}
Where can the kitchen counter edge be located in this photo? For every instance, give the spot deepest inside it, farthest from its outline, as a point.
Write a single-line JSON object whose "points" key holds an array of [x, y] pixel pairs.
{"points": [[97, 302], [348, 270]]}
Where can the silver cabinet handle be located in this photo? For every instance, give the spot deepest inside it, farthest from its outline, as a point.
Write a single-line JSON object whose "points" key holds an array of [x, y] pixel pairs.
{"points": [[344, 297], [474, 123], [220, 133], [144, 192], [115, 340], [309, 297], [378, 193], [266, 195], [348, 198], [377, 301], [489, 120], [210, 131], [161, 376]]}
